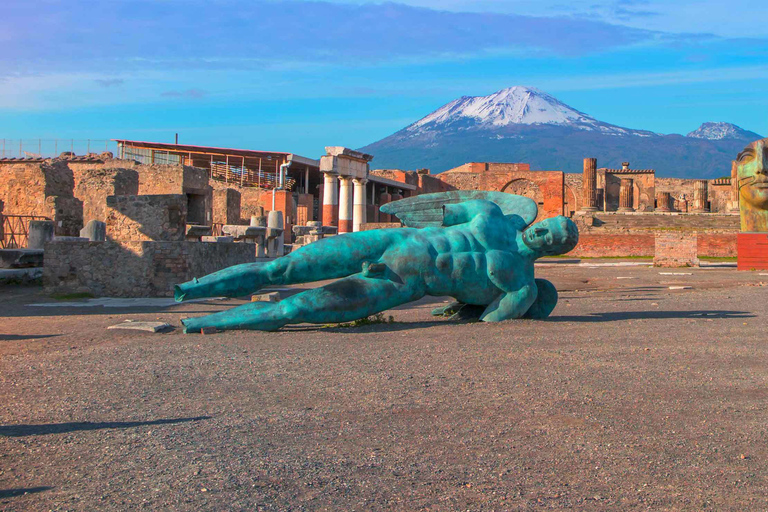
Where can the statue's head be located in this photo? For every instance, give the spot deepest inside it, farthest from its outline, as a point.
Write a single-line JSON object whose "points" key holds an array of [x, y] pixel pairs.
{"points": [[556, 235], [752, 175]]}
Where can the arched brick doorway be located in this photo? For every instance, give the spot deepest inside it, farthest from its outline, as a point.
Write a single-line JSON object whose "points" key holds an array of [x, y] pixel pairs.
{"points": [[571, 204], [527, 188]]}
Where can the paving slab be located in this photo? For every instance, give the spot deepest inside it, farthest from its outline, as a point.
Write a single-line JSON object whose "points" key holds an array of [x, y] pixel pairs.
{"points": [[143, 326]]}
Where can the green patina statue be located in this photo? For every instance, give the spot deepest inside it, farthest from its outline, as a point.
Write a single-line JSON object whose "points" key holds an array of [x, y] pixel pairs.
{"points": [[752, 176], [474, 246]]}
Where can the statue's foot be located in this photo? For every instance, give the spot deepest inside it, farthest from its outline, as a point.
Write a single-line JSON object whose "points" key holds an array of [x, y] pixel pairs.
{"points": [[257, 316]]}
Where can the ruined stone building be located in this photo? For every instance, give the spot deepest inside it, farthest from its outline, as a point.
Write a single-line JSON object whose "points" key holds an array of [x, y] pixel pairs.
{"points": [[155, 199]]}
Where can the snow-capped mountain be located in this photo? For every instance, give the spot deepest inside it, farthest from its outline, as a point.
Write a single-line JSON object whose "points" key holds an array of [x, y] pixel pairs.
{"points": [[720, 131], [523, 124], [516, 105]]}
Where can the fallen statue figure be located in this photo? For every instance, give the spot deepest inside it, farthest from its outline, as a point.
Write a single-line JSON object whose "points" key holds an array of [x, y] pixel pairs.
{"points": [[474, 246]]}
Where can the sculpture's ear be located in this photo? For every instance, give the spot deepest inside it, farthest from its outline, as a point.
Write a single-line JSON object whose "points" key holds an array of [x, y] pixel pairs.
{"points": [[427, 209]]}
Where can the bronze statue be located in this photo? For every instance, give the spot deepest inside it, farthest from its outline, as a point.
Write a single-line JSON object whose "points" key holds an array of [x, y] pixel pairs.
{"points": [[752, 180], [474, 246]]}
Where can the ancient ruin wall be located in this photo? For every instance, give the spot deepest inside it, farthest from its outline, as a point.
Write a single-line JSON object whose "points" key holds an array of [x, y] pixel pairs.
{"points": [[226, 206], [93, 186], [251, 199], [147, 217], [43, 189], [544, 187], [135, 269]]}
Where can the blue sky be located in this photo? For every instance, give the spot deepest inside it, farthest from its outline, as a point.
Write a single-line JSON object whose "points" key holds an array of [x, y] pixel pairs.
{"points": [[298, 75]]}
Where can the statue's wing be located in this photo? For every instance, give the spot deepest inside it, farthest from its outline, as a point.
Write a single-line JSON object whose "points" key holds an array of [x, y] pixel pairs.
{"points": [[427, 209]]}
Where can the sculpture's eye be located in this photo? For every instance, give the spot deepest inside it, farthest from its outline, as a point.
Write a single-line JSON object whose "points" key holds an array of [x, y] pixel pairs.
{"points": [[745, 155]]}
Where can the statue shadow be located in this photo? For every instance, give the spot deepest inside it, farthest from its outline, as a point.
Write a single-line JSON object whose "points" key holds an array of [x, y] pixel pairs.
{"points": [[11, 493], [376, 327], [652, 315], [63, 428]]}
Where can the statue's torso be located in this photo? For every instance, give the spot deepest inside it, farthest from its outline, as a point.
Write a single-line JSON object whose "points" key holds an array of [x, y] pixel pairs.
{"points": [[455, 260]]}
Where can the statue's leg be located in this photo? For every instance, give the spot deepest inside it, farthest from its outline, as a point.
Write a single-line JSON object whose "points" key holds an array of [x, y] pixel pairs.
{"points": [[329, 258], [545, 302], [344, 300]]}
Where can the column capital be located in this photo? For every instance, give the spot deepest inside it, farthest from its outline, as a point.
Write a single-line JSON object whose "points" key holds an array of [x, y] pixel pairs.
{"points": [[360, 181]]}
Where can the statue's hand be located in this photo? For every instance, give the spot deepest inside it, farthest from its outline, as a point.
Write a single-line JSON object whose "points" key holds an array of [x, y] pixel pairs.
{"points": [[510, 305]]}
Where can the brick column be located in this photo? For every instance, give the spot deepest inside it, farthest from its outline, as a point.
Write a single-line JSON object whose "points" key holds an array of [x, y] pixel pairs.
{"points": [[359, 213], [625, 195], [345, 204], [384, 198], [396, 196], [662, 202], [700, 196], [330, 199], [590, 185]]}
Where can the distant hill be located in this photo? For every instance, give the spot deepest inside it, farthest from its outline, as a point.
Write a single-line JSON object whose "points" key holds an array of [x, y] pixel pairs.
{"points": [[522, 124]]}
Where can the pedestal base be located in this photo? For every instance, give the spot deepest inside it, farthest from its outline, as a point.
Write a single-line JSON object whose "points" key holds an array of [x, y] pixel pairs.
{"points": [[752, 249]]}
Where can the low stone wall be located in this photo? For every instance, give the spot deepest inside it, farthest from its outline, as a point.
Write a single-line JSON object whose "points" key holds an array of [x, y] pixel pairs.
{"points": [[135, 269]]}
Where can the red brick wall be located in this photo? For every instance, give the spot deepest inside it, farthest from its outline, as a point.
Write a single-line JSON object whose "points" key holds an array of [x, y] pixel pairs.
{"points": [[676, 249], [717, 245], [714, 245], [596, 246]]}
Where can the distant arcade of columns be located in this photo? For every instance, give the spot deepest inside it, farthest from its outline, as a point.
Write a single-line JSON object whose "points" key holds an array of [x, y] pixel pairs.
{"points": [[699, 203], [345, 197]]}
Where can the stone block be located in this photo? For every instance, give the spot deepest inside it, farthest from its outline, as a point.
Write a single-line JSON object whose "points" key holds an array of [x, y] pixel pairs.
{"points": [[143, 326], [95, 231], [195, 232], [266, 297], [40, 233]]}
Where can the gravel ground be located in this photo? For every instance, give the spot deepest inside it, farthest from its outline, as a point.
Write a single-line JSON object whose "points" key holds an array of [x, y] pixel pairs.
{"points": [[631, 396]]}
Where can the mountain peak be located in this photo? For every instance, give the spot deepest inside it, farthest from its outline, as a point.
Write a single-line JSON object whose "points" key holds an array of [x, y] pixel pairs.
{"points": [[513, 105], [720, 131]]}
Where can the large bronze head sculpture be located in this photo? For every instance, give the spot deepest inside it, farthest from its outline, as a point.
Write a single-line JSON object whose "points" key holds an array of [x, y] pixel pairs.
{"points": [[752, 180]]}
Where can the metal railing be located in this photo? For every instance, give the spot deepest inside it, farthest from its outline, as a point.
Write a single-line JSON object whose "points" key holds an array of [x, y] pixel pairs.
{"points": [[15, 230], [247, 177], [51, 148]]}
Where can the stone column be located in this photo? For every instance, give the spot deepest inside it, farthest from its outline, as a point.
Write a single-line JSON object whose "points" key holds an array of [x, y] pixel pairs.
{"points": [[663, 201], [700, 196], [625, 195], [590, 185], [276, 246], [330, 199], [345, 204], [384, 198], [733, 204], [359, 213]]}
